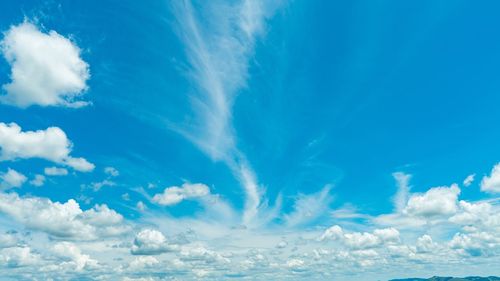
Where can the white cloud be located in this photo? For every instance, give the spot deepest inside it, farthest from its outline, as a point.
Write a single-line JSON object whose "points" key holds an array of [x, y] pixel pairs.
{"points": [[18, 257], [46, 68], [142, 262], [8, 240], [175, 194], [51, 144], [11, 178], [219, 47], [64, 220], [435, 202], [73, 256], [111, 171], [96, 186], [469, 179], [308, 208], [55, 171], [401, 197], [151, 242], [361, 240], [38, 180], [491, 183]]}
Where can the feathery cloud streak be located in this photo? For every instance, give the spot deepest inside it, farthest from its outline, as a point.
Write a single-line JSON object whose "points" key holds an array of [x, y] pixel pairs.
{"points": [[218, 48]]}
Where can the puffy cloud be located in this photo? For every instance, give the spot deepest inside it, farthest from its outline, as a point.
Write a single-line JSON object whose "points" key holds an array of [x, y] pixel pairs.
{"points": [[476, 243], [174, 195], [295, 264], [46, 68], [18, 257], [8, 240], [111, 171], [200, 253], [469, 179], [425, 244], [51, 144], [150, 242], [491, 183], [435, 202], [11, 179], [361, 240], [73, 256], [38, 180], [143, 262], [55, 171], [64, 220], [334, 233], [387, 235]]}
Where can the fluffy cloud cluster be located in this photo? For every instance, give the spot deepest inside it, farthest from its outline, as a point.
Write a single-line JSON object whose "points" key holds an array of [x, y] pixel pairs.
{"points": [[491, 183], [46, 68], [73, 257], [435, 202], [11, 178], [361, 240], [51, 144], [55, 171], [64, 220], [150, 242], [175, 194]]}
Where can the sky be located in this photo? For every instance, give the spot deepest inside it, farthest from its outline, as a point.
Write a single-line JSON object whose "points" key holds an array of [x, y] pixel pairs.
{"points": [[249, 139]]}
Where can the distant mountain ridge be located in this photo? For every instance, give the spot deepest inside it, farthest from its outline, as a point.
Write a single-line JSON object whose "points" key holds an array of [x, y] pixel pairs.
{"points": [[436, 278]]}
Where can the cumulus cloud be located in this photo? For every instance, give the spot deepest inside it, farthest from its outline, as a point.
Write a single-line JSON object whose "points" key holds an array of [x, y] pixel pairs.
{"points": [[73, 257], [175, 194], [11, 178], [150, 242], [63, 220], [112, 172], [361, 240], [436, 201], [55, 171], [38, 180], [18, 257], [491, 183], [46, 68], [51, 144]]}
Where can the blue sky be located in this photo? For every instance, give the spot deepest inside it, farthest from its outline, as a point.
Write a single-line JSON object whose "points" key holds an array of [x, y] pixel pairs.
{"points": [[185, 140]]}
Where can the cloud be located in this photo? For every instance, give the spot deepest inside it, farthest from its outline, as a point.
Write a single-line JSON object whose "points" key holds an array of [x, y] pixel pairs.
{"points": [[38, 180], [63, 220], [18, 257], [491, 183], [73, 256], [435, 202], [55, 171], [218, 50], [469, 179], [50, 144], [11, 179], [46, 68], [401, 197], [112, 172], [361, 240], [151, 242], [308, 208], [174, 195]]}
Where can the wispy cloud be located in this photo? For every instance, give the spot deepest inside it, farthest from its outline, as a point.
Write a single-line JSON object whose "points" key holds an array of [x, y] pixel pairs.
{"points": [[219, 38]]}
